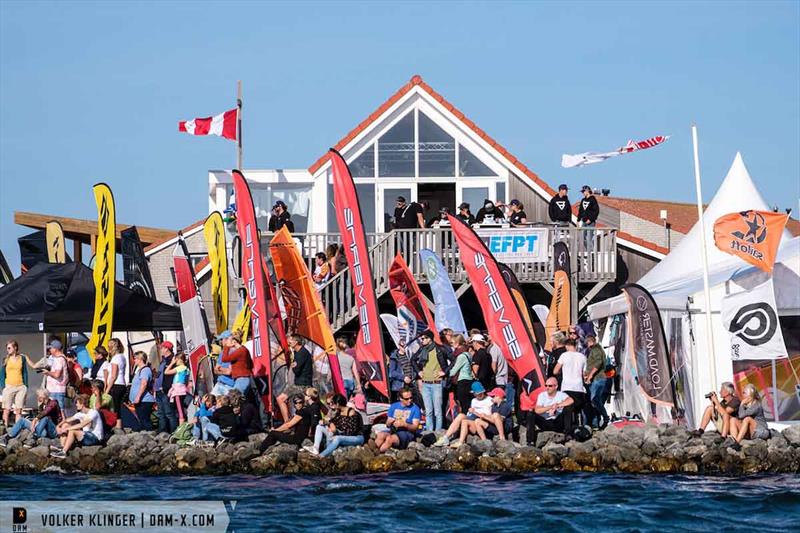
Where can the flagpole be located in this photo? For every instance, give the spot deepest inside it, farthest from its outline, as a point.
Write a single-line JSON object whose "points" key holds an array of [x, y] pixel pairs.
{"points": [[239, 125], [706, 290]]}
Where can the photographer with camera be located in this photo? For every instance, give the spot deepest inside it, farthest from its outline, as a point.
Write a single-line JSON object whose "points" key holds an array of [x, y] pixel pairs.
{"points": [[722, 408]]}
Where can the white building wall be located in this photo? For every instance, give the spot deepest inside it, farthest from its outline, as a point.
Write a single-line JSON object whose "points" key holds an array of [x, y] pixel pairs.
{"points": [[647, 230]]}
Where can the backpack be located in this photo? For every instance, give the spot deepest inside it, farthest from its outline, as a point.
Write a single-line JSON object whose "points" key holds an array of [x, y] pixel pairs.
{"points": [[109, 419], [183, 434]]}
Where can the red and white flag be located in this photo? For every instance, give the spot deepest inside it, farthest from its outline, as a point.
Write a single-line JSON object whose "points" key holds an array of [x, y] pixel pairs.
{"points": [[588, 158], [223, 125]]}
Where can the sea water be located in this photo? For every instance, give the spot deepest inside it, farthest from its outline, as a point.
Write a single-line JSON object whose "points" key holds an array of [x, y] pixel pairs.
{"points": [[441, 501]]}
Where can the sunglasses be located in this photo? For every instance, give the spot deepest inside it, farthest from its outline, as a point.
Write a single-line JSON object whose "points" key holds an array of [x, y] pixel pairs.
{"points": [[406, 399], [551, 386]]}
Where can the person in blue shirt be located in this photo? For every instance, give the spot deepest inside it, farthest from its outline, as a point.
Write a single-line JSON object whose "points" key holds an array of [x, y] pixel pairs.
{"points": [[141, 396], [402, 424]]}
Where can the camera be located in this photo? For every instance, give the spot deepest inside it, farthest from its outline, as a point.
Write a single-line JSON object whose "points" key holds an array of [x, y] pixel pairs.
{"points": [[709, 395]]}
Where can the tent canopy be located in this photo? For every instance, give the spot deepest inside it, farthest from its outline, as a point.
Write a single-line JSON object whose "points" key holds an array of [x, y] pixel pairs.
{"points": [[60, 297]]}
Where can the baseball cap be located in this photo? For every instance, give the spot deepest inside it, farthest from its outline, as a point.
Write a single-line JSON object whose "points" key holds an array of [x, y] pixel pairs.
{"points": [[477, 388], [498, 391], [463, 205], [168, 345], [514, 202], [563, 186], [586, 188], [55, 344], [71, 353], [477, 337], [401, 199], [279, 203]]}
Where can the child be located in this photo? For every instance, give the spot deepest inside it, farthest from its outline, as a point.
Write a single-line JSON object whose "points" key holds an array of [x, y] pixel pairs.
{"points": [[180, 383]]}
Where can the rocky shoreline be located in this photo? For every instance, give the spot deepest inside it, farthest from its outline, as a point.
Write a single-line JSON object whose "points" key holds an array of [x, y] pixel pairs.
{"points": [[641, 450]]}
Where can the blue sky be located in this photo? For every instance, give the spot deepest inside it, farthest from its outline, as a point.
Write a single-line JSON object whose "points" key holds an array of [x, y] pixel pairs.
{"points": [[92, 92]]}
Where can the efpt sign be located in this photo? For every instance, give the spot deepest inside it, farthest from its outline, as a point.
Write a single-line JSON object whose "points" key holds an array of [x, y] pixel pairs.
{"points": [[517, 245]]}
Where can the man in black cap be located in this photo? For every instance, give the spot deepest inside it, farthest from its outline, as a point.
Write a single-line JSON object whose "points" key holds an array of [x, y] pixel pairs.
{"points": [[560, 210], [464, 214], [489, 210], [588, 211], [280, 218], [441, 218], [408, 215]]}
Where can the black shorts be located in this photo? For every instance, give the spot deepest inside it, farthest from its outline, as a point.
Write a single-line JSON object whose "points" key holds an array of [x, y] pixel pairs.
{"points": [[117, 393], [406, 438]]}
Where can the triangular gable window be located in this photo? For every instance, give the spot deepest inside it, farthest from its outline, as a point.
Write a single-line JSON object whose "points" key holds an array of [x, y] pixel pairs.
{"points": [[437, 150], [469, 165], [396, 149], [364, 165]]}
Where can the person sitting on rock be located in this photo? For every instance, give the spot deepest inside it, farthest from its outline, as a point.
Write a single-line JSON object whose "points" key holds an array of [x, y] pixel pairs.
{"points": [[553, 412], [297, 428], [204, 411], [720, 411], [464, 424], [43, 425], [751, 422], [501, 422], [223, 425], [345, 428], [402, 423], [248, 419], [84, 428]]}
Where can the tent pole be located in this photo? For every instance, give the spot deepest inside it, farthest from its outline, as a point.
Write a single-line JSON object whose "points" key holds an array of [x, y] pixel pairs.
{"points": [[709, 331]]}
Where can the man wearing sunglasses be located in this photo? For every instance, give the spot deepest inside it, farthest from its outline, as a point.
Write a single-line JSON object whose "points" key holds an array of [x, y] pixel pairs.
{"points": [[402, 423], [553, 412]]}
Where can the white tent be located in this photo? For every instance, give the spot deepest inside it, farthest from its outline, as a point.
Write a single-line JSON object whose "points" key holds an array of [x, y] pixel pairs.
{"points": [[676, 283]]}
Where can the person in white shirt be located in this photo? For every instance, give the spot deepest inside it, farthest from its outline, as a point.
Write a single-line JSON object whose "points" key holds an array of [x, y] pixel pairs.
{"points": [[118, 380], [84, 428], [553, 412], [572, 365], [480, 409]]}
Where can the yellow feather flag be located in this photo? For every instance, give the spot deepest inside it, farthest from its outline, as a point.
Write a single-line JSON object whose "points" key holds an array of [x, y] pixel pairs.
{"points": [[214, 232], [242, 321], [104, 268], [54, 236]]}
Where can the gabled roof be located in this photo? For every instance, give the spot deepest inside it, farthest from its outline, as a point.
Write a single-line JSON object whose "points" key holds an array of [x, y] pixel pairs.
{"points": [[173, 239], [416, 81]]}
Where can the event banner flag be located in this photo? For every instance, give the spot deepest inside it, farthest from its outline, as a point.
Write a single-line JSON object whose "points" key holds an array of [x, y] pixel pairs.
{"points": [[369, 343], [255, 281], [6, 276], [135, 268], [500, 312], [406, 294], [559, 316], [105, 267], [56, 248], [517, 245], [223, 125], [274, 314], [519, 296], [753, 236], [751, 318], [648, 344], [304, 312], [214, 232], [193, 316], [32, 250], [448, 312]]}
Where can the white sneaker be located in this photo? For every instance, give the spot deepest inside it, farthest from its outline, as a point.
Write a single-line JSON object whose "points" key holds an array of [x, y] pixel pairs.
{"points": [[310, 449], [456, 444], [443, 441]]}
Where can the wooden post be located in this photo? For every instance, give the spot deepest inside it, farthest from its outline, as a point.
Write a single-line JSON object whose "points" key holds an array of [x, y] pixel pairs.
{"points": [[77, 251], [94, 244]]}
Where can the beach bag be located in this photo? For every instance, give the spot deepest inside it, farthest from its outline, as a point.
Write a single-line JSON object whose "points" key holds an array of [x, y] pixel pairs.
{"points": [[183, 434], [109, 419]]}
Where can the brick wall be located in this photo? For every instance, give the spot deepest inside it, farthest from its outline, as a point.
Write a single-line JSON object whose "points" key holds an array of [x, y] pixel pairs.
{"points": [[647, 230]]}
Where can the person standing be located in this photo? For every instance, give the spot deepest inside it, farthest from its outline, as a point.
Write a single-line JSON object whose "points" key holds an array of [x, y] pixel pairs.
{"points": [[408, 215], [572, 365], [596, 380], [482, 365], [119, 378], [462, 372], [141, 395], [588, 211], [322, 271], [167, 418], [560, 210], [464, 213], [56, 377], [303, 369], [348, 367], [280, 218], [14, 381], [431, 364]]}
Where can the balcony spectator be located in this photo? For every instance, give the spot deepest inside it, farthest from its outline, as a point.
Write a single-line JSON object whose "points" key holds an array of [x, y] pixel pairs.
{"points": [[518, 218], [588, 211], [464, 213], [322, 270], [489, 212], [560, 210], [280, 218]]}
